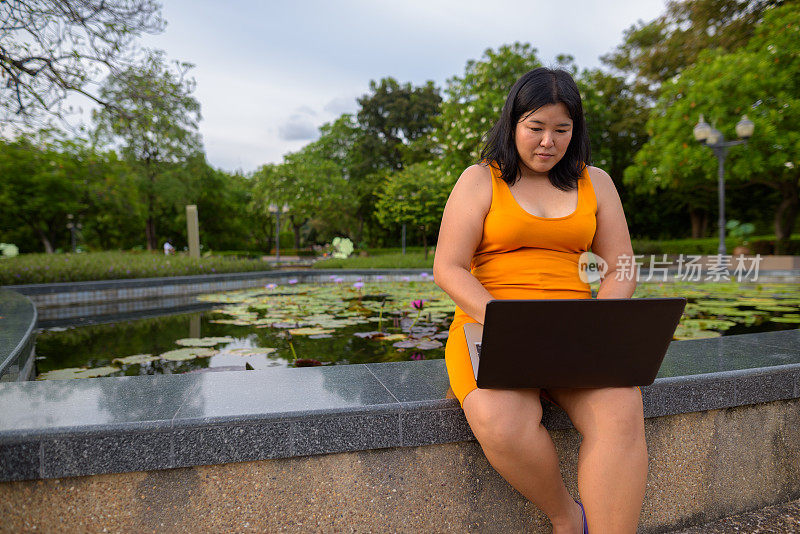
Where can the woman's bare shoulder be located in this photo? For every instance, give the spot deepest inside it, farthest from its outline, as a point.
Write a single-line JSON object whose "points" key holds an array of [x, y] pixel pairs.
{"points": [[599, 177], [602, 183], [475, 185], [478, 174]]}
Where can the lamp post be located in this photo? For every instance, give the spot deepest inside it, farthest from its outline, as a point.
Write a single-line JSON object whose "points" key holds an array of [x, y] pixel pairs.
{"points": [[400, 199], [273, 209], [713, 138], [73, 228]]}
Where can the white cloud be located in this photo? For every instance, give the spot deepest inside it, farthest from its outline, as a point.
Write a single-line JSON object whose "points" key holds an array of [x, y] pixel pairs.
{"points": [[297, 128], [341, 104], [272, 74]]}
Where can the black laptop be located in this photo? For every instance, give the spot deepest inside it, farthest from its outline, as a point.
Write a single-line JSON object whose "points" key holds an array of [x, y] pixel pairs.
{"points": [[572, 342]]}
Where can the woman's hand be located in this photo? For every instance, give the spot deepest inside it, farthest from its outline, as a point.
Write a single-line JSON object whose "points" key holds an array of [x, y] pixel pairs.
{"points": [[459, 236]]}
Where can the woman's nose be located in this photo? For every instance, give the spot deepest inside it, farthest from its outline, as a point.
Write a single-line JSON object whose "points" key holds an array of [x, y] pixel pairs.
{"points": [[547, 140]]}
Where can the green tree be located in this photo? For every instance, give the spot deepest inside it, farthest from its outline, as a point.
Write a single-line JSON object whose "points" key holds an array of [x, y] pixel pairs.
{"points": [[474, 100], [112, 212], [313, 188], [49, 50], [41, 185], [220, 197], [394, 122], [394, 118], [654, 52], [761, 80], [154, 117], [414, 196]]}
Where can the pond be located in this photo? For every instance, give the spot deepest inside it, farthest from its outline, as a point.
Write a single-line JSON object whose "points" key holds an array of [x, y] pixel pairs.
{"points": [[327, 324]]}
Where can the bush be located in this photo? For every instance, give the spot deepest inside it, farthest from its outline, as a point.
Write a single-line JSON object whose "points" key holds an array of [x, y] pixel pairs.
{"points": [[709, 245], [48, 268], [395, 260]]}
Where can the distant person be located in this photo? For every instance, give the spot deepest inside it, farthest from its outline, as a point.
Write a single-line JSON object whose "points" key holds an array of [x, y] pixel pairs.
{"points": [[514, 227], [168, 248]]}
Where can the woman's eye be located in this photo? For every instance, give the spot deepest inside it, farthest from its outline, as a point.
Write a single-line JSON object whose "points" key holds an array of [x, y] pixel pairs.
{"points": [[536, 129]]}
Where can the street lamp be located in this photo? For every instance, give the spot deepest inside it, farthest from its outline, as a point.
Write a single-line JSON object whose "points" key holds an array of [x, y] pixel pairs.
{"points": [[713, 138], [73, 228], [400, 198], [273, 209]]}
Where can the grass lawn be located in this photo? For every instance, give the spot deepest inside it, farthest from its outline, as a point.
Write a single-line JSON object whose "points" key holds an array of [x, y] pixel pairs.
{"points": [[413, 259], [48, 268]]}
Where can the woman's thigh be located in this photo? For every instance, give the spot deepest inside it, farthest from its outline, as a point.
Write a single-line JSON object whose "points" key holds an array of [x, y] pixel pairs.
{"points": [[603, 412], [500, 415]]}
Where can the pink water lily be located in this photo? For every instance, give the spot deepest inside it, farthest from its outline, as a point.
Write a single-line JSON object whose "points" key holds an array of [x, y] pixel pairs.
{"points": [[292, 281], [417, 305], [270, 286], [358, 285]]}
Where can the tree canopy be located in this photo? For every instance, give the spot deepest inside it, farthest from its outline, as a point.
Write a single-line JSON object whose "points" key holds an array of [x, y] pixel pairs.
{"points": [[49, 50], [760, 80], [474, 101], [653, 52], [155, 119]]}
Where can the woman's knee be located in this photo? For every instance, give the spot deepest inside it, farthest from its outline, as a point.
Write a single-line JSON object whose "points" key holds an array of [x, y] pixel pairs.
{"points": [[498, 417], [619, 417]]}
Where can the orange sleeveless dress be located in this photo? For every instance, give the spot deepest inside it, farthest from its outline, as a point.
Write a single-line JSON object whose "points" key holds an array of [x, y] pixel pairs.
{"points": [[522, 256]]}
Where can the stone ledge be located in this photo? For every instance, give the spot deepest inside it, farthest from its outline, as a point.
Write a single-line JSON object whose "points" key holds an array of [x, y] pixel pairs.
{"points": [[59, 303], [125, 283], [17, 322], [106, 425], [703, 466]]}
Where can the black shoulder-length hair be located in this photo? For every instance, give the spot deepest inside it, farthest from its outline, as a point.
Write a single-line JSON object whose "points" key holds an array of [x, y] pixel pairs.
{"points": [[537, 88]]}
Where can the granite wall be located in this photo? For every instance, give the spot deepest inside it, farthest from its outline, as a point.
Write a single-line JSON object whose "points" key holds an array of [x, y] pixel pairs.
{"points": [[703, 466]]}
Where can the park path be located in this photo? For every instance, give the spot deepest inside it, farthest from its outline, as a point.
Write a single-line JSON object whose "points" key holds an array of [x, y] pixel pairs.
{"points": [[777, 519]]}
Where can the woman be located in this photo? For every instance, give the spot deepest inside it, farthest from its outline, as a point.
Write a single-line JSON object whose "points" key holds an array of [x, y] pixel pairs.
{"points": [[514, 227]]}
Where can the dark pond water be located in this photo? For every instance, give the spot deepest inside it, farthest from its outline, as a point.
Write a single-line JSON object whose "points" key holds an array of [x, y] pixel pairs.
{"points": [[342, 324]]}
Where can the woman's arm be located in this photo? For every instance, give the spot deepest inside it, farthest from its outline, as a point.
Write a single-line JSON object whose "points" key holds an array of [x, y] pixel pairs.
{"points": [[612, 241], [459, 236]]}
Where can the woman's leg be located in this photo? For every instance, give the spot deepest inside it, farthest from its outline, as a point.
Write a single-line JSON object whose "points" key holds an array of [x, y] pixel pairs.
{"points": [[612, 464], [507, 424]]}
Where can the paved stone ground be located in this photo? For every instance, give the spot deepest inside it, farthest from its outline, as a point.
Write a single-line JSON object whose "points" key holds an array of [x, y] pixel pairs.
{"points": [[778, 519]]}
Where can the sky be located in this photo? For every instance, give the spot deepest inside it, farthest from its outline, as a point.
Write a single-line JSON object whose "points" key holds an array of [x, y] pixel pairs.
{"points": [[270, 73]]}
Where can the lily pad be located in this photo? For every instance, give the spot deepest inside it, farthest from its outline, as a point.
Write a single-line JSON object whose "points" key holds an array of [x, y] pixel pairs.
{"points": [[681, 334], [374, 334], [309, 331], [258, 351], [135, 359], [706, 324], [190, 353], [778, 308], [77, 372], [392, 337], [428, 344], [203, 341], [786, 319]]}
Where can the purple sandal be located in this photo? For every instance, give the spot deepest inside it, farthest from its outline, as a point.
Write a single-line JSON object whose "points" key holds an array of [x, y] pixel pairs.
{"points": [[585, 524]]}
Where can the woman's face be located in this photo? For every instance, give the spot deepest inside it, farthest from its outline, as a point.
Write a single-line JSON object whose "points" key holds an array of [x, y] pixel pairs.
{"points": [[542, 137]]}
